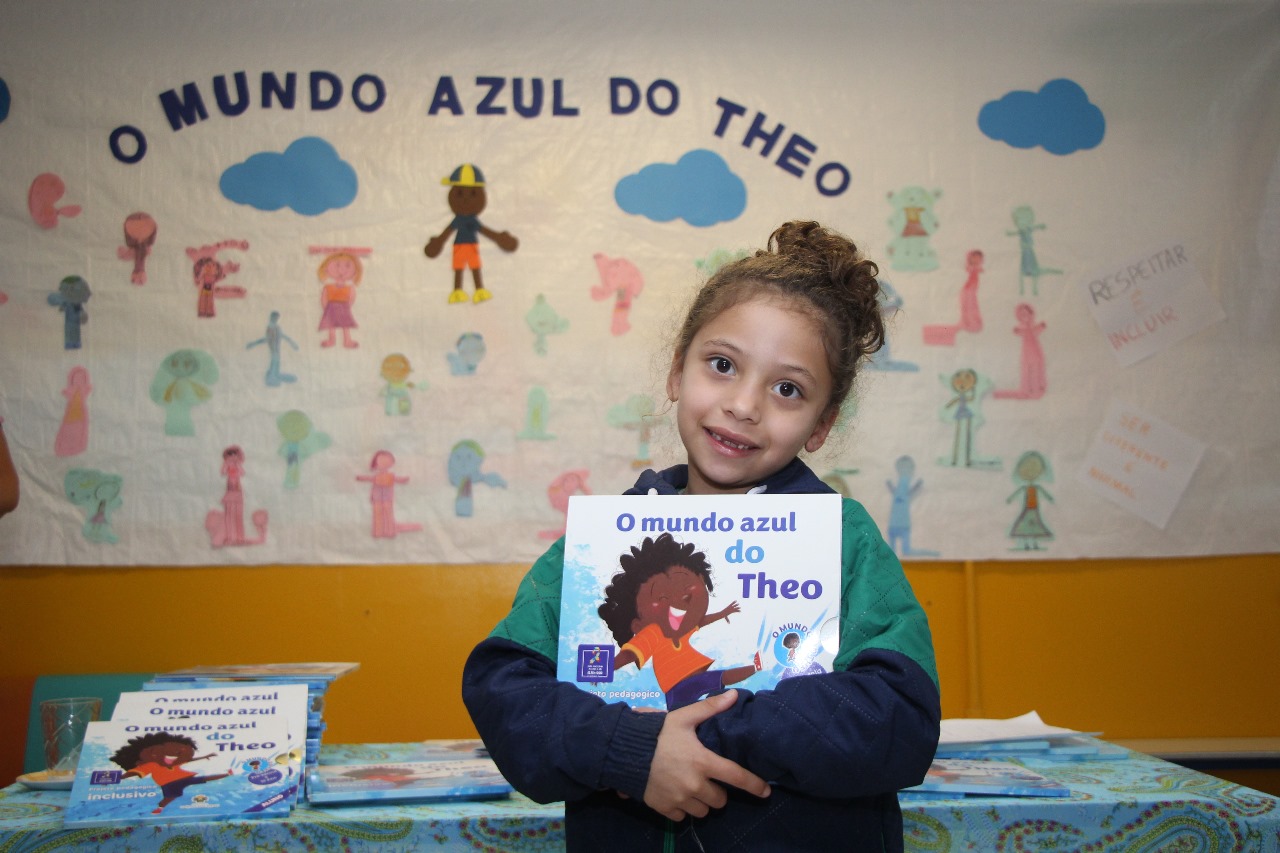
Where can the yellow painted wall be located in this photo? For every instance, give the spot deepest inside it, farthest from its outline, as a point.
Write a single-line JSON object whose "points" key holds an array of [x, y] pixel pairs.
{"points": [[1160, 648]]}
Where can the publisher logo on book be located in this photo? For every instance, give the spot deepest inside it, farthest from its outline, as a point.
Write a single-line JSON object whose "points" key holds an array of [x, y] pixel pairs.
{"points": [[595, 663]]}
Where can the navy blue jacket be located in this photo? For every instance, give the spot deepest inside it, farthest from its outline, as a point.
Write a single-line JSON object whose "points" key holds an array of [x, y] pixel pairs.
{"points": [[835, 747]]}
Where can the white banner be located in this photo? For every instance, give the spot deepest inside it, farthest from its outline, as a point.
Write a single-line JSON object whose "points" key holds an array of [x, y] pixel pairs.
{"points": [[232, 331]]}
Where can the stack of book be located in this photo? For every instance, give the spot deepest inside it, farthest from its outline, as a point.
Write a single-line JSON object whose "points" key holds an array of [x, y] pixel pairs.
{"points": [[193, 752], [431, 771], [316, 677], [982, 757], [1021, 737]]}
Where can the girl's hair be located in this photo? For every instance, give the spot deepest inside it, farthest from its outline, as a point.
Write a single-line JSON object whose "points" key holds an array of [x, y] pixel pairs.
{"points": [[355, 262], [820, 272], [652, 557]]}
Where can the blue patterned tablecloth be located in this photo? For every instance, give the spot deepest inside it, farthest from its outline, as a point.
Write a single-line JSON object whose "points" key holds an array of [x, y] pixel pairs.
{"points": [[1135, 804]]}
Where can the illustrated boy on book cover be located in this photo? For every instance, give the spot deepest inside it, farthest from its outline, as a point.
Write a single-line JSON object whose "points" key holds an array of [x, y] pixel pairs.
{"points": [[640, 621], [161, 756], [654, 605]]}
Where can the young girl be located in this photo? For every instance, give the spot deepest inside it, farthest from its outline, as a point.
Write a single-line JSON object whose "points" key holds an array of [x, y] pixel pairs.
{"points": [[765, 357]]}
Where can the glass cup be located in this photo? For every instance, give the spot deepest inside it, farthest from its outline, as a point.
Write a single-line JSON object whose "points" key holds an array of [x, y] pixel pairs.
{"points": [[64, 723]]}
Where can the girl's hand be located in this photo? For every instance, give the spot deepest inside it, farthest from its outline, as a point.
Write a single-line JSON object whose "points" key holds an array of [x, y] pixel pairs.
{"points": [[685, 777]]}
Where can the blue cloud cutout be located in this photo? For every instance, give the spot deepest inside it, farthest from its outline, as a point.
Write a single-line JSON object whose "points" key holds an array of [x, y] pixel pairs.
{"points": [[699, 189], [309, 178], [1059, 118], [4, 99]]}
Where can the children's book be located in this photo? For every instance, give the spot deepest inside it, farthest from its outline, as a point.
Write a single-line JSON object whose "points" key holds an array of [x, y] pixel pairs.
{"points": [[318, 675], [228, 708], [978, 777], [400, 753], [409, 781], [667, 599], [187, 770]]}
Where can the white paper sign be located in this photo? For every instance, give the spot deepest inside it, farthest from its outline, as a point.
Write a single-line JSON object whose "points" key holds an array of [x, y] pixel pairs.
{"points": [[1141, 463], [1150, 302]]}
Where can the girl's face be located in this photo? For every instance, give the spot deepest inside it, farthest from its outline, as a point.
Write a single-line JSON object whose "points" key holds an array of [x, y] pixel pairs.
{"points": [[341, 268], [752, 390]]}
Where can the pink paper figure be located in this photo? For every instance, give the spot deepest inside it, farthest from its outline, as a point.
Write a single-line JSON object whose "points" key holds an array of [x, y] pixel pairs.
{"points": [[562, 488], [42, 197], [622, 278], [382, 496], [340, 274], [1033, 379], [4, 297], [139, 237], [970, 316], [227, 527], [73, 435], [208, 271]]}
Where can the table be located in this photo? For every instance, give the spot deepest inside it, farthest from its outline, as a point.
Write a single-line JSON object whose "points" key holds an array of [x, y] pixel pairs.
{"points": [[1138, 803]]}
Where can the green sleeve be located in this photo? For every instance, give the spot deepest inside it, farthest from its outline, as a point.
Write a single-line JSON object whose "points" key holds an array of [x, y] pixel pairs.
{"points": [[878, 609], [534, 620]]}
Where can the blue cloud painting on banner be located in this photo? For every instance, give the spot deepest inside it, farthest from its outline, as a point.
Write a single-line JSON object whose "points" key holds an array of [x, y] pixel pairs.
{"points": [[389, 287], [1058, 118], [308, 177]]}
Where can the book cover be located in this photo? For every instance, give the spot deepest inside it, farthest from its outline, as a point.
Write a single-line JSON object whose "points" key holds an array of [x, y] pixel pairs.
{"points": [[230, 707], [668, 598], [976, 777], [407, 781], [399, 753], [318, 675], [187, 770]]}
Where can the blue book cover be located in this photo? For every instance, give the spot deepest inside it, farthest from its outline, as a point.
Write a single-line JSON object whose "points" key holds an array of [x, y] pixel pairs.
{"points": [[986, 777], [667, 599], [187, 770], [407, 781]]}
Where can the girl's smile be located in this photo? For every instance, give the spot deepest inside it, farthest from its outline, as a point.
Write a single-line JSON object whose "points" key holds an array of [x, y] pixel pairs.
{"points": [[751, 391]]}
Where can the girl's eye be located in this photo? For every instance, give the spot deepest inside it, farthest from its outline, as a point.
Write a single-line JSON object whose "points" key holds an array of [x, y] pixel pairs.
{"points": [[720, 364], [786, 389]]}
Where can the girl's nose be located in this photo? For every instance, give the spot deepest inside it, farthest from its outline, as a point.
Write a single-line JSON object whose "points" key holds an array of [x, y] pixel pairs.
{"points": [[743, 402]]}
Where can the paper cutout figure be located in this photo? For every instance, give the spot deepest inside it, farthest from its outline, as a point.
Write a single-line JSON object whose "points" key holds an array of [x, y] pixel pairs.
{"points": [[73, 434], [622, 279], [340, 274], [181, 383], [42, 198], [467, 200], [300, 440], [465, 460], [638, 414], [1025, 225], [382, 496], [1029, 528], [1033, 382], [395, 372], [562, 488], [904, 492], [272, 338], [469, 351], [708, 266], [207, 271], [963, 410], [98, 494], [139, 237], [73, 292], [543, 320], [535, 416], [226, 528], [913, 223], [838, 479], [970, 315], [4, 297], [882, 359]]}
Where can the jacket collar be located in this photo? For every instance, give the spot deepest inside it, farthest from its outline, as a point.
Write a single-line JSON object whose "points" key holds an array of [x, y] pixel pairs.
{"points": [[794, 478]]}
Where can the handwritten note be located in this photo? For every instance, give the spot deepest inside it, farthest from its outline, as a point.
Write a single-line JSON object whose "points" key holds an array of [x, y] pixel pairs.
{"points": [[1141, 463], [1150, 302]]}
